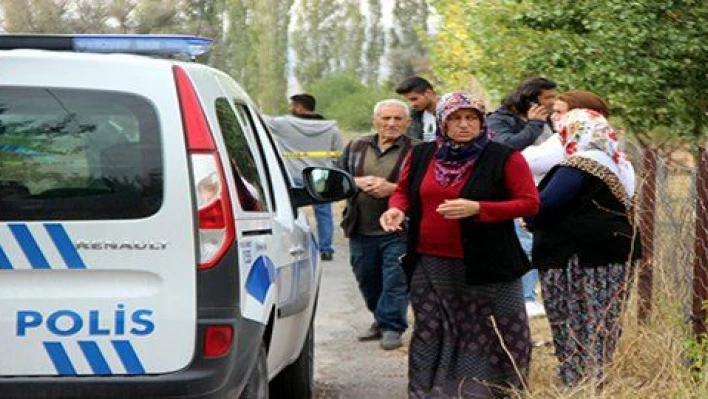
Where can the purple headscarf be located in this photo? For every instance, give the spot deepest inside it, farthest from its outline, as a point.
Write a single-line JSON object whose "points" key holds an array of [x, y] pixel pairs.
{"points": [[453, 160]]}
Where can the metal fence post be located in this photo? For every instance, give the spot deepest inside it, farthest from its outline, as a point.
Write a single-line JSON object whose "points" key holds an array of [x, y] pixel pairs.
{"points": [[647, 209], [700, 262]]}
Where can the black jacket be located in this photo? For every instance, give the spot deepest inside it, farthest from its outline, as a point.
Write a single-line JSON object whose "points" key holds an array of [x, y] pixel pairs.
{"points": [[415, 129], [594, 225], [511, 130], [492, 252]]}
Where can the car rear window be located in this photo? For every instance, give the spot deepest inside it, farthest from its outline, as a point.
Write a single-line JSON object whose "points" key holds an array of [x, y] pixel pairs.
{"points": [[70, 154]]}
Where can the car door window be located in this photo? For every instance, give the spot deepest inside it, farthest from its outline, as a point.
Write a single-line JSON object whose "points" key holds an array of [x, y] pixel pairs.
{"points": [[247, 119], [242, 161]]}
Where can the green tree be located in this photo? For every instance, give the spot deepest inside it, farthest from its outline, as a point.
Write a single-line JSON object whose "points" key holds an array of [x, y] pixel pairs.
{"points": [[649, 59], [407, 53], [313, 37], [410, 20], [156, 16], [348, 39], [240, 42], [477, 40], [271, 28], [39, 16], [342, 97], [87, 16], [374, 44], [329, 37], [90, 17], [120, 12], [256, 51], [205, 18]]}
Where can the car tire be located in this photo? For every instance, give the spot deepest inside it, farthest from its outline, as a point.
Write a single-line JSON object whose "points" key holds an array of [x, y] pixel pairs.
{"points": [[257, 385], [297, 380]]}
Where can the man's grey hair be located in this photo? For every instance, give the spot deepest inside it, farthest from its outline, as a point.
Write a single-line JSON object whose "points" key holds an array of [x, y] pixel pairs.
{"points": [[388, 102]]}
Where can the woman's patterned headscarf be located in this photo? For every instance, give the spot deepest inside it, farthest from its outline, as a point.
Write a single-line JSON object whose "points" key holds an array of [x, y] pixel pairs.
{"points": [[585, 129], [586, 132], [452, 159], [579, 99]]}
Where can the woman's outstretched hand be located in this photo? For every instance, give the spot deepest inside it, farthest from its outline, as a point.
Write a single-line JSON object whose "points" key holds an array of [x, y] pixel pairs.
{"points": [[392, 220], [458, 208]]}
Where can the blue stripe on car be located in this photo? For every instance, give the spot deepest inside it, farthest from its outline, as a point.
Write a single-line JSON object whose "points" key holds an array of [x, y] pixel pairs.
{"points": [[260, 278], [59, 358], [95, 358], [128, 357], [66, 248], [4, 260], [29, 246]]}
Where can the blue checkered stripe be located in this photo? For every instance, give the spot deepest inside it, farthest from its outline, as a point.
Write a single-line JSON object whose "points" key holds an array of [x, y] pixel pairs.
{"points": [[93, 355], [34, 254]]}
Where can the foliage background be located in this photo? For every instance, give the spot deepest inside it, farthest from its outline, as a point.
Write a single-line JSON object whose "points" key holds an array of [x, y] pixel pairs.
{"points": [[648, 58], [273, 48]]}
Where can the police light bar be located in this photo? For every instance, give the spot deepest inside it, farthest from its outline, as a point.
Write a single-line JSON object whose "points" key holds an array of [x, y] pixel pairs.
{"points": [[190, 46]]}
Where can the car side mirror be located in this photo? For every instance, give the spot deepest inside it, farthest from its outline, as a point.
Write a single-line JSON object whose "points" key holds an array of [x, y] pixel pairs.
{"points": [[328, 185], [323, 185]]}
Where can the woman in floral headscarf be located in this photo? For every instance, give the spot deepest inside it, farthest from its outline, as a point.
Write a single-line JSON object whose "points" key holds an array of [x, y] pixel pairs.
{"points": [[464, 262], [544, 156], [583, 241], [574, 99]]}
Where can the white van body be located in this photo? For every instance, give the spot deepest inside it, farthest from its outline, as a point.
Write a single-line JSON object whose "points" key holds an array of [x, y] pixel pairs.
{"points": [[105, 292]]}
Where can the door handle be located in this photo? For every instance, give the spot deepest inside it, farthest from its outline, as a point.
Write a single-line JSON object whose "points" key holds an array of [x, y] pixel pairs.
{"points": [[296, 251]]}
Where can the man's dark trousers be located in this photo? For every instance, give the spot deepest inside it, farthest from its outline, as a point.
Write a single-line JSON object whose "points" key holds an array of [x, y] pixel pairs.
{"points": [[375, 260]]}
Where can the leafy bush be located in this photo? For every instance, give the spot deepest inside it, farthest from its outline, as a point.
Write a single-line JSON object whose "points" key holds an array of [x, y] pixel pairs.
{"points": [[344, 98]]}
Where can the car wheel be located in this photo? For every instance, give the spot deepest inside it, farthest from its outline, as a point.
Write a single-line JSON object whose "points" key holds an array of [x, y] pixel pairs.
{"points": [[257, 385], [296, 380]]}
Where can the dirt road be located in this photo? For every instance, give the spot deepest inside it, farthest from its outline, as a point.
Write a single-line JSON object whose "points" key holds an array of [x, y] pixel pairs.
{"points": [[344, 367], [348, 369]]}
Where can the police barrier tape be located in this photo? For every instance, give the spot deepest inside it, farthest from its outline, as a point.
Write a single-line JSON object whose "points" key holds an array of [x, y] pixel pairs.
{"points": [[312, 154]]}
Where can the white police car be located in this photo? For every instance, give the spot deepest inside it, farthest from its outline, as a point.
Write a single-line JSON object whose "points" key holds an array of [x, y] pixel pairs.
{"points": [[150, 240]]}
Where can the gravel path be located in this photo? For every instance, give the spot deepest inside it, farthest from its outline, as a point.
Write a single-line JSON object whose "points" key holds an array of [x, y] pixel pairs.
{"points": [[344, 367]]}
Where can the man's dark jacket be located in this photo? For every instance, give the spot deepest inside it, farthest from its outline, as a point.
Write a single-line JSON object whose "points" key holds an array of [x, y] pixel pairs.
{"points": [[511, 130], [415, 129]]}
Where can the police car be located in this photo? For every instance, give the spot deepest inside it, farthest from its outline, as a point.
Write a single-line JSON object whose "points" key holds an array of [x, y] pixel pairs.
{"points": [[151, 242]]}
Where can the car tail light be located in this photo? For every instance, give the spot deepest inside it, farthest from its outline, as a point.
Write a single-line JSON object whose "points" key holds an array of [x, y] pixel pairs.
{"points": [[216, 225], [218, 340]]}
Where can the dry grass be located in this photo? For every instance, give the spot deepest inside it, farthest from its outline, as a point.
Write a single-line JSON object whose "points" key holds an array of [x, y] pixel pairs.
{"points": [[653, 359], [651, 362]]}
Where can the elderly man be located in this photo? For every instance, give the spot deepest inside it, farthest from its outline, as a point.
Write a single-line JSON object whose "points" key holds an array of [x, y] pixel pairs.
{"points": [[374, 161]]}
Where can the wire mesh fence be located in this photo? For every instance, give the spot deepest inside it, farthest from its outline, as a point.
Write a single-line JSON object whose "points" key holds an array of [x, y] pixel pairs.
{"points": [[673, 197]]}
